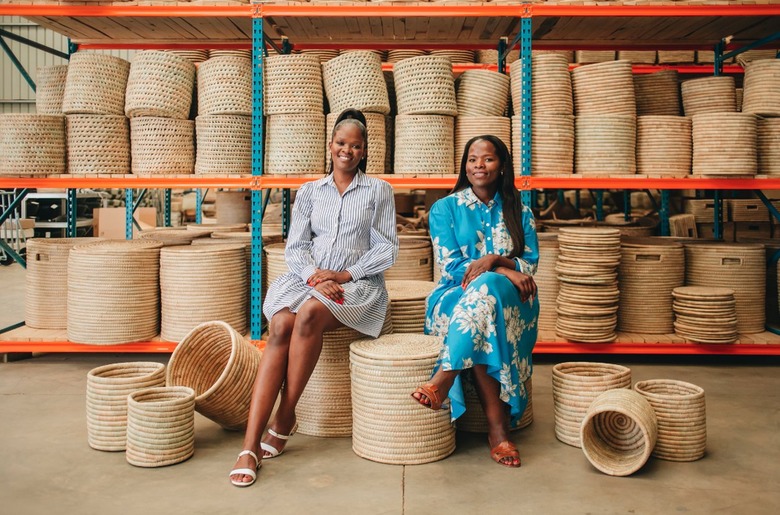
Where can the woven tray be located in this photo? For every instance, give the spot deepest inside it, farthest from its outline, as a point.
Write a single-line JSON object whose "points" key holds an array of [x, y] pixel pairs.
{"points": [[455, 56]]}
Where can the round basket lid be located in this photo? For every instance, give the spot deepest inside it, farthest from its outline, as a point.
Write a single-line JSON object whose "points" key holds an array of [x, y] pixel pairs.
{"points": [[398, 347]]}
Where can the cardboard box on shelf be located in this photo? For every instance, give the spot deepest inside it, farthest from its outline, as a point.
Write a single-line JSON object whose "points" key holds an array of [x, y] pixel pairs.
{"points": [[109, 222]]}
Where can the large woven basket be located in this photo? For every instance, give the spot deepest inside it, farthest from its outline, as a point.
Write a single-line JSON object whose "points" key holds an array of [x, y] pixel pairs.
{"points": [[160, 426], [467, 127], [550, 82], [605, 145], [552, 144], [414, 262], [354, 80], [768, 145], [107, 389], [221, 293], [162, 145], [604, 89], [50, 88], [423, 144], [482, 93], [224, 144], [709, 95], [762, 88], [221, 366], [234, 207], [100, 315], [376, 147], [407, 304], [657, 94], [98, 144], [474, 419], [682, 418], [712, 157], [546, 279], [619, 432], [294, 144], [225, 86], [575, 386], [663, 145], [389, 426], [293, 84], [160, 84], [425, 86], [32, 144], [96, 84]]}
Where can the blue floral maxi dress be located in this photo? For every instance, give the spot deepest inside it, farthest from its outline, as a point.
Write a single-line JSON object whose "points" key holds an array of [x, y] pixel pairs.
{"points": [[487, 324]]}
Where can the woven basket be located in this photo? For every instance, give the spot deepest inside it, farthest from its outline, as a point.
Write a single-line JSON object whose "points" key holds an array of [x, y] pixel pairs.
{"points": [[224, 144], [682, 418], [162, 145], [425, 86], [712, 157], [407, 304], [234, 207], [160, 84], [221, 366], [246, 54], [467, 127], [552, 144], [676, 56], [32, 144], [546, 279], [126, 314], [657, 94], [293, 84], [637, 56], [294, 144], [382, 54], [768, 145], [619, 432], [604, 89], [160, 426], [568, 54], [98, 144], [354, 80], [455, 56], [482, 93], [550, 85], [762, 88], [107, 390], [709, 95], [321, 55], [423, 144], [398, 54], [594, 56], [663, 145], [50, 88], [225, 86], [740, 93], [195, 56], [96, 84], [389, 426], [376, 147], [746, 210], [491, 56], [414, 261], [605, 145], [172, 236], [474, 419], [575, 386], [757, 54]]}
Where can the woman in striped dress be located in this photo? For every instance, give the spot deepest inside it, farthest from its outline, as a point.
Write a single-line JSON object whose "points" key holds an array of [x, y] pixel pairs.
{"points": [[343, 237]]}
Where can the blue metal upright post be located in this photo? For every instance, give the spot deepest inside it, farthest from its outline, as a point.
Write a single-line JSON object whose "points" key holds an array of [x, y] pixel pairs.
{"points": [[167, 207], [70, 207], [128, 214], [718, 215], [256, 270], [599, 194], [198, 206], [663, 213], [525, 109], [627, 205]]}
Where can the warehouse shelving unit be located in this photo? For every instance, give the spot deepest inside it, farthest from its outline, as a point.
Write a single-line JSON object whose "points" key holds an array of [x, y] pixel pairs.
{"points": [[413, 26]]}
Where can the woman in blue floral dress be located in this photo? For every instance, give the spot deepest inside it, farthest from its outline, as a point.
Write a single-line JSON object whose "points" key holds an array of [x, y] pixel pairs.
{"points": [[485, 304]]}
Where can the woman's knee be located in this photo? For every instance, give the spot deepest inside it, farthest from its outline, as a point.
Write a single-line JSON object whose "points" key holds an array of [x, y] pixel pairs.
{"points": [[281, 327], [313, 317]]}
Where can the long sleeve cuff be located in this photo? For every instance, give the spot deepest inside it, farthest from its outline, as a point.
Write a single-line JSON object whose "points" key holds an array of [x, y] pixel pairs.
{"points": [[356, 272], [307, 272]]}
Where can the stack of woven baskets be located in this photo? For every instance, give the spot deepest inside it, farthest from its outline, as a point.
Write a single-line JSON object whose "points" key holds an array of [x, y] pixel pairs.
{"points": [[761, 97], [547, 281], [414, 262], [705, 315], [407, 304]]}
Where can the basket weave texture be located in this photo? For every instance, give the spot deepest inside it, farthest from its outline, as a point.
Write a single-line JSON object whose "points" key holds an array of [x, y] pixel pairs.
{"points": [[550, 85], [424, 144], [225, 86], [32, 144], [482, 93], [552, 143], [709, 95], [711, 157], [657, 94], [159, 84], [96, 84], [605, 144], [162, 145], [604, 88], [224, 144], [294, 144], [768, 146], [663, 145], [425, 86], [762, 88], [98, 144], [293, 84], [355, 80], [414, 262], [50, 88]]}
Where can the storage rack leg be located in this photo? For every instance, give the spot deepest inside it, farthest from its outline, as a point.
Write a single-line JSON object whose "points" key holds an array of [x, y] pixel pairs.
{"points": [[258, 205], [71, 208], [129, 214]]}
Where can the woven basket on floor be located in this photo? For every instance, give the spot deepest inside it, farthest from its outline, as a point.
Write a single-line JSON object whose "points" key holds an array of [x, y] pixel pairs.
{"points": [[425, 86], [552, 142], [663, 145], [676, 56], [389, 426], [594, 56], [491, 56], [709, 95], [637, 56], [768, 145], [293, 84], [424, 144], [657, 94], [482, 93], [294, 144], [354, 80], [455, 56], [762, 88], [50, 88], [619, 432], [160, 84], [224, 144], [474, 419], [32, 144], [126, 314], [407, 304], [221, 366], [160, 426], [467, 127], [162, 145], [234, 207], [605, 144], [575, 386], [546, 279], [550, 85], [712, 157], [96, 84], [604, 89], [221, 293], [225, 86], [107, 389], [414, 262], [682, 418], [375, 148], [98, 144]]}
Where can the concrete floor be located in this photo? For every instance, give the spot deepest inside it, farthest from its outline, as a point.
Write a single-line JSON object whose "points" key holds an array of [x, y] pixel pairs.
{"points": [[46, 465]]}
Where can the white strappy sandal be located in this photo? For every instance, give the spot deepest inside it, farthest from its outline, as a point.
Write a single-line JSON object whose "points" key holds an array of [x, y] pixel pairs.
{"points": [[272, 451], [246, 471]]}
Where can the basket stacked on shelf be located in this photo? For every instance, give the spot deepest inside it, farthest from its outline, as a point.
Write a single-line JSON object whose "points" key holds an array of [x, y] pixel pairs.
{"points": [[482, 98]]}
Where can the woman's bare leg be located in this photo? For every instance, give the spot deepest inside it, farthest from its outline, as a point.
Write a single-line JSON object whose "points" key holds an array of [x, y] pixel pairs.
{"points": [[443, 379], [488, 390]]}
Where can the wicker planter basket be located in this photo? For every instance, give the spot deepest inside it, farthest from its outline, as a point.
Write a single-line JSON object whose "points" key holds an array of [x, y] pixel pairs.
{"points": [[594, 56], [682, 418], [160, 426], [221, 366], [294, 144], [482, 93], [162, 145], [762, 88], [224, 144], [474, 419], [98, 144], [234, 207], [711, 157], [414, 262], [709, 95], [388, 425], [552, 144], [407, 304], [107, 390], [160, 84], [768, 145], [293, 84], [423, 144], [467, 127], [637, 56], [354, 80], [455, 56], [225, 86], [604, 88], [550, 85], [605, 145], [376, 147], [425, 86], [128, 314], [96, 84], [32, 144], [50, 88], [657, 94], [663, 145], [619, 432]]}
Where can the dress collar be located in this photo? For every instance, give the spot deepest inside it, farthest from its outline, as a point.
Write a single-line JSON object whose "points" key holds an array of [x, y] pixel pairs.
{"points": [[359, 180], [470, 198]]}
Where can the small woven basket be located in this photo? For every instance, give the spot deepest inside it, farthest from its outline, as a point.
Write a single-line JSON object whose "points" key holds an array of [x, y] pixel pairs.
{"points": [[225, 86], [160, 84], [224, 144], [172, 236], [107, 390], [376, 147], [637, 56], [407, 304], [761, 94], [604, 89], [711, 157], [663, 145], [32, 144], [354, 80], [96, 84], [676, 56], [605, 144], [98, 144], [414, 261], [709, 95], [399, 54], [482, 93], [423, 144], [293, 84], [657, 94], [50, 88], [162, 145], [425, 86], [294, 144], [221, 366]]}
